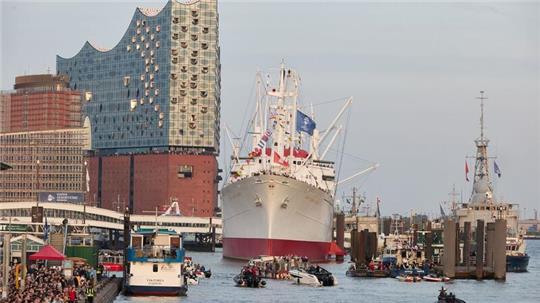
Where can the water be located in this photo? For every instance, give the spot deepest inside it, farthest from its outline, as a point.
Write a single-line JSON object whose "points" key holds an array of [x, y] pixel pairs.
{"points": [[518, 287]]}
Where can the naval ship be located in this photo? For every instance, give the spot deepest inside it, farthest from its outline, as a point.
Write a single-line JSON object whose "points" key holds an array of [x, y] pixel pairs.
{"points": [[483, 205], [279, 199]]}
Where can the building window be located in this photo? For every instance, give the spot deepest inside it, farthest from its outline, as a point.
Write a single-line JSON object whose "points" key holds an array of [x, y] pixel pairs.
{"points": [[185, 171], [155, 268]]}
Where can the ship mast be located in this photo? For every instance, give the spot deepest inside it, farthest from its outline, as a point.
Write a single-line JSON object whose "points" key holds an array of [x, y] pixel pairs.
{"points": [[482, 191]]}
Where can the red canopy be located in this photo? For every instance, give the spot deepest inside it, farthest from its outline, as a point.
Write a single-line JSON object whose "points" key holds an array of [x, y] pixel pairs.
{"points": [[335, 250], [47, 252]]}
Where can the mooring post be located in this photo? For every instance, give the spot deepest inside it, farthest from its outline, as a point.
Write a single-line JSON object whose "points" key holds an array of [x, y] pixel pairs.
{"points": [[457, 248], [354, 246], [340, 233], [480, 249], [499, 249], [467, 245], [490, 238], [449, 243]]}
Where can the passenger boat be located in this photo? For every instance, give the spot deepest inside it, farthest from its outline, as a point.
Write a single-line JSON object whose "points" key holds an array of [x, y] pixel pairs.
{"points": [[155, 258], [517, 259], [283, 189]]}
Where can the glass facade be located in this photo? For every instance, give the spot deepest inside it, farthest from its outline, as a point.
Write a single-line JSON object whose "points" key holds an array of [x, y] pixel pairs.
{"points": [[158, 89]]}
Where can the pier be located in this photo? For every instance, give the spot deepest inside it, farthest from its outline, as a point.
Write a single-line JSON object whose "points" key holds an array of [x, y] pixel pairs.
{"points": [[489, 250]]}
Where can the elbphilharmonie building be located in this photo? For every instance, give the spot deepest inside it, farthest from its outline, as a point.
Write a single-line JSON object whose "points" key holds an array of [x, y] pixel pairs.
{"points": [[153, 104]]}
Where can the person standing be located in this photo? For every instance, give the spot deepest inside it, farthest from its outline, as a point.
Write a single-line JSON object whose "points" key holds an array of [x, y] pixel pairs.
{"points": [[90, 293]]}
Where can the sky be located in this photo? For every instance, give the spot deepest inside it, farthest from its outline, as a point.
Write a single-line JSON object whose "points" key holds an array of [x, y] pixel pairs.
{"points": [[413, 69]]}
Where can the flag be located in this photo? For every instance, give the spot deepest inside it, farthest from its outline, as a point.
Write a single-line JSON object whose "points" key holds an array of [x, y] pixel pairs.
{"points": [[45, 230], [466, 171], [442, 211], [279, 160], [304, 123], [257, 150], [497, 169]]}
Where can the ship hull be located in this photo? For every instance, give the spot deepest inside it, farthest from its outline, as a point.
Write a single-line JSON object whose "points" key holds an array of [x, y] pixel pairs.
{"points": [[156, 290], [276, 216], [245, 249], [517, 263]]}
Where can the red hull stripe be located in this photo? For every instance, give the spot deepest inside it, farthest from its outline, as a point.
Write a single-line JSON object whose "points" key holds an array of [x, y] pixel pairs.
{"points": [[242, 248]]}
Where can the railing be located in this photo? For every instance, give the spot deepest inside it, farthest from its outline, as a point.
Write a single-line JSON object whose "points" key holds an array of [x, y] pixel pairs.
{"points": [[156, 253]]}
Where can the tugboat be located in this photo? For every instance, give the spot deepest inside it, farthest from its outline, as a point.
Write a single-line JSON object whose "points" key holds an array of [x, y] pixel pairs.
{"points": [[483, 204], [516, 258], [154, 263]]}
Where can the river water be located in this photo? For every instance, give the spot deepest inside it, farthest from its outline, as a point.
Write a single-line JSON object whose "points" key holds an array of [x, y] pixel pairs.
{"points": [[518, 287]]}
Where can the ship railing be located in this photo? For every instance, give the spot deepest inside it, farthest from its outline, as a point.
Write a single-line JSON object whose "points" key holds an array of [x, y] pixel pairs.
{"points": [[156, 253]]}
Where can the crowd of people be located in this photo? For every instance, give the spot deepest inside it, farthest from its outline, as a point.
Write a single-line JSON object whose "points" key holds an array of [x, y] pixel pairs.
{"points": [[47, 284], [276, 267]]}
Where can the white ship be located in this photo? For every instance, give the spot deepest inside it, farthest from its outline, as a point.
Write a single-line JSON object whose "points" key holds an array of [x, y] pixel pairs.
{"points": [[279, 200], [155, 259], [484, 206]]}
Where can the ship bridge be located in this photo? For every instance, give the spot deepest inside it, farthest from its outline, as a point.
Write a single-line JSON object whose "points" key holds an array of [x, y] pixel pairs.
{"points": [[16, 217]]}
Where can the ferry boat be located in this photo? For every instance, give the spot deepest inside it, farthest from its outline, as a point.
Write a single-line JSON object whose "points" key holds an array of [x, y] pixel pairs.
{"points": [[279, 199], [155, 260], [484, 206]]}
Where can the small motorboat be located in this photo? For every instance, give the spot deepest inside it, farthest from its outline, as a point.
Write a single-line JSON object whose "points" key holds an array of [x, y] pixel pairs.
{"points": [[445, 297], [207, 273], [302, 277], [435, 278], [409, 278], [324, 276], [249, 278]]}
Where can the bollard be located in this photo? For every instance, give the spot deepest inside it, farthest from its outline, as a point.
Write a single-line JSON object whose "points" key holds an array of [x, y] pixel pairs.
{"points": [[467, 245], [479, 249], [340, 233], [499, 249], [449, 243]]}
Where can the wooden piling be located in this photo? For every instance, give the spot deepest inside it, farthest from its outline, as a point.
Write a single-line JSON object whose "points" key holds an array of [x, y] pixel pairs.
{"points": [[456, 248], [479, 249], [466, 244], [449, 243], [499, 249], [340, 233], [354, 245], [490, 238]]}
